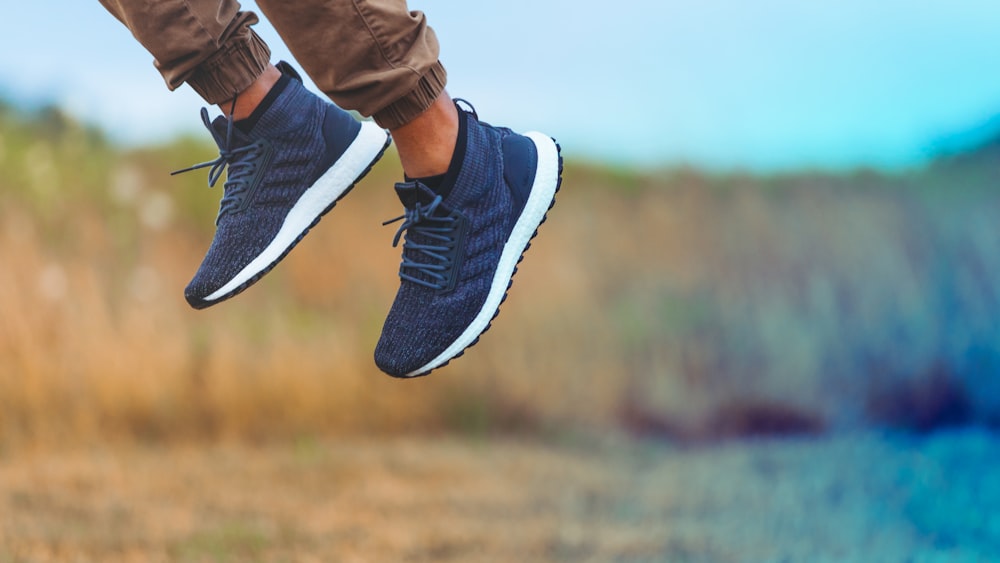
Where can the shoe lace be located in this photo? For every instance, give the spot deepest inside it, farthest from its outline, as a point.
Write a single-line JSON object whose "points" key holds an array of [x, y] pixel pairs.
{"points": [[240, 162], [438, 231]]}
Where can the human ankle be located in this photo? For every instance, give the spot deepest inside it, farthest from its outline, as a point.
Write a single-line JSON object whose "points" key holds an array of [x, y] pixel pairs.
{"points": [[247, 124], [427, 143], [248, 100], [442, 184]]}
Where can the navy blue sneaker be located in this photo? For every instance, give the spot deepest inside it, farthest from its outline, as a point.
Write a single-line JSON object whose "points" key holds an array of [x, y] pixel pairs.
{"points": [[463, 242], [300, 156]]}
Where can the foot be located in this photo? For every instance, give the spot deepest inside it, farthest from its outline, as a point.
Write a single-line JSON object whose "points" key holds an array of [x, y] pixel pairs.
{"points": [[463, 242], [300, 157]]}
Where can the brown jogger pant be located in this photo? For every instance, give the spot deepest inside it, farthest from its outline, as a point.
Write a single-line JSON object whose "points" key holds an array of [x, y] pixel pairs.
{"points": [[373, 56]]}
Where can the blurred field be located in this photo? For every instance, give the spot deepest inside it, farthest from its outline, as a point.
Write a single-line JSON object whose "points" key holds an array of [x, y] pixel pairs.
{"points": [[674, 304], [846, 498]]}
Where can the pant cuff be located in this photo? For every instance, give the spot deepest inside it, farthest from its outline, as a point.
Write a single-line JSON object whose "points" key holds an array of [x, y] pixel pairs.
{"points": [[233, 69], [416, 101]]}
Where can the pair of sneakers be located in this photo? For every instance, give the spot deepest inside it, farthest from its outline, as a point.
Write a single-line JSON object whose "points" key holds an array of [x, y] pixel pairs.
{"points": [[462, 239]]}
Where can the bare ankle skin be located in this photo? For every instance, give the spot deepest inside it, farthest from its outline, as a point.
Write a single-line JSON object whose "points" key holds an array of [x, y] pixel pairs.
{"points": [[425, 145], [249, 99]]}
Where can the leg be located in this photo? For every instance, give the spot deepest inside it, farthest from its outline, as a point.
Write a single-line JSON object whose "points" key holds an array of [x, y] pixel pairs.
{"points": [[426, 143], [380, 59], [206, 43], [373, 56]]}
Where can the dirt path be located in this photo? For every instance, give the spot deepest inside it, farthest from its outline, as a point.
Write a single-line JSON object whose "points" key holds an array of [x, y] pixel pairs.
{"points": [[860, 498]]}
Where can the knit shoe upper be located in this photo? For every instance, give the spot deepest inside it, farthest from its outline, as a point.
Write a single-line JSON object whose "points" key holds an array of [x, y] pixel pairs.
{"points": [[461, 250], [301, 156]]}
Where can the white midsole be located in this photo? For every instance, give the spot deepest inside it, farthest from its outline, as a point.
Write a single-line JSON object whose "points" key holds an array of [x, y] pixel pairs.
{"points": [[542, 191], [330, 186]]}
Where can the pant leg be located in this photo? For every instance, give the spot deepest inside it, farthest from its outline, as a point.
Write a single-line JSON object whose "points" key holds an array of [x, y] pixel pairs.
{"points": [[373, 56], [207, 43]]}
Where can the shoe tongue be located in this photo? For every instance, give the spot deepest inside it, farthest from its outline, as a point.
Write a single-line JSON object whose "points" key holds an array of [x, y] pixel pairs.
{"points": [[220, 125], [412, 193]]}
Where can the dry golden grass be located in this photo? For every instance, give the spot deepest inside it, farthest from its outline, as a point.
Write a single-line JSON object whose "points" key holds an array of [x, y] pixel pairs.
{"points": [[678, 304], [96, 342]]}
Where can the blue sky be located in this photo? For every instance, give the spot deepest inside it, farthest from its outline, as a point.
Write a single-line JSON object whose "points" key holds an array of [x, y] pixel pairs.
{"points": [[764, 85]]}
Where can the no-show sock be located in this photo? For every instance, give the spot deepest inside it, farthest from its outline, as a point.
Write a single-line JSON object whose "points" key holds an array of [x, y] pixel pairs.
{"points": [[247, 125], [442, 184]]}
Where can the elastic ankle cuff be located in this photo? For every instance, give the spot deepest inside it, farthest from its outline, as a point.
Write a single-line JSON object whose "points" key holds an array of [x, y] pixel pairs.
{"points": [[232, 70], [416, 101]]}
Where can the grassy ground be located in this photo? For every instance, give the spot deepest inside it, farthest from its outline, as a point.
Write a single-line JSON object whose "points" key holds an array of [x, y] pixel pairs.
{"points": [[851, 498]]}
